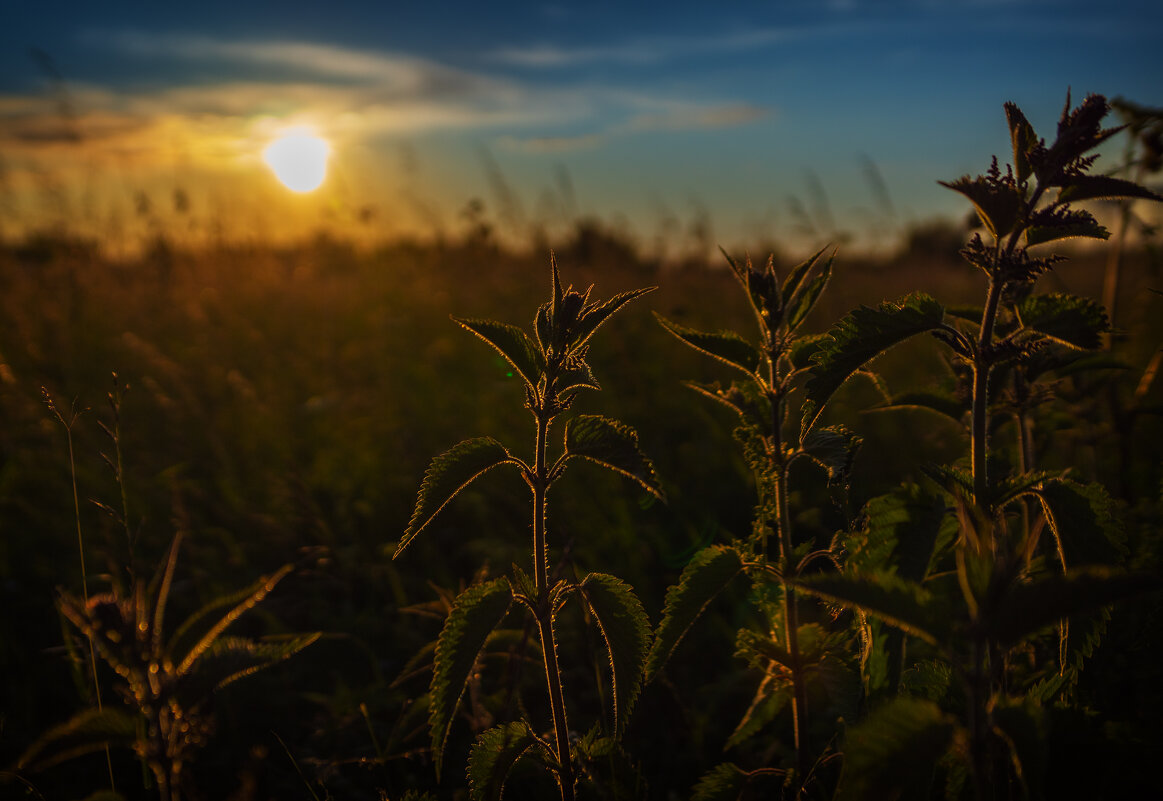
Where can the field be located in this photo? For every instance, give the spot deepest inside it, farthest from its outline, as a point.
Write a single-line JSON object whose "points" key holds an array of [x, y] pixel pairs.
{"points": [[281, 405]]}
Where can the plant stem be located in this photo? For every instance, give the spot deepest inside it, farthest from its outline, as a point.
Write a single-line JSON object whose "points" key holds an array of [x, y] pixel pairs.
{"points": [[545, 605], [790, 606], [982, 365]]}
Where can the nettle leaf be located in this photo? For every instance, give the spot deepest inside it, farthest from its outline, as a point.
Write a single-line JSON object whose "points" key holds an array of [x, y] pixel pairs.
{"points": [[803, 299], [1067, 319], [512, 343], [802, 350], [773, 694], [449, 473], [725, 782], [613, 445], [1094, 187], [596, 314], [726, 346], [895, 749], [707, 574], [626, 630], [1084, 521], [1030, 606], [998, 202], [232, 658], [905, 604], [833, 448], [1022, 726], [492, 756], [576, 375], [859, 338], [941, 403], [476, 612], [904, 532], [795, 279], [1053, 224], [1023, 139], [746, 399], [87, 731]]}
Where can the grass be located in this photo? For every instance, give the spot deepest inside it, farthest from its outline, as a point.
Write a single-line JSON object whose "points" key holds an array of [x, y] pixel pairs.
{"points": [[285, 403]]}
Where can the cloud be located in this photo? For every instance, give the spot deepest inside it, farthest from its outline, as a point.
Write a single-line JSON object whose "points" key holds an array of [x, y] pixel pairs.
{"points": [[553, 144], [698, 117], [638, 51]]}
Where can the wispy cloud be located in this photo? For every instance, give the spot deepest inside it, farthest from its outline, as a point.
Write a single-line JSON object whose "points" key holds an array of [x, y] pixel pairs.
{"points": [[691, 118]]}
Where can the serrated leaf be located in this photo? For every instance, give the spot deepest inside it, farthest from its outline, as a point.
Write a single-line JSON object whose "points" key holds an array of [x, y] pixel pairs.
{"points": [[597, 314], [1094, 187], [860, 337], [1084, 522], [941, 403], [1023, 140], [726, 346], [707, 574], [802, 350], [512, 343], [575, 376], [804, 299], [771, 696], [87, 731], [1022, 726], [895, 749], [1033, 605], [449, 473], [476, 612], [194, 627], [725, 782], [231, 658], [613, 445], [492, 756], [833, 448], [1068, 319], [745, 398], [1079, 224], [903, 533], [998, 204], [626, 631], [897, 601]]}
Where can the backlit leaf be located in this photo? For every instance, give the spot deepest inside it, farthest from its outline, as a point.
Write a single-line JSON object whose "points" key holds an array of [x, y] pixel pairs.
{"points": [[895, 749], [613, 445], [771, 696], [943, 404], [860, 337], [833, 448], [1033, 605], [493, 755], [1069, 319], [904, 604], [1091, 187], [450, 473], [726, 346], [476, 612], [998, 204], [512, 343], [595, 316], [707, 574], [1023, 139], [1084, 522], [626, 631], [804, 299], [795, 278], [725, 782]]}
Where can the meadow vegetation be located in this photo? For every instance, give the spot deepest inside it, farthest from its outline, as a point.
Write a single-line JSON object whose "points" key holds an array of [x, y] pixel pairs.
{"points": [[936, 580]]}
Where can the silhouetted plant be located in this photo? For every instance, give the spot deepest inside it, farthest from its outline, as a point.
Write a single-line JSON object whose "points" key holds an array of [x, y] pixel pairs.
{"points": [[1000, 589], [792, 654], [553, 369]]}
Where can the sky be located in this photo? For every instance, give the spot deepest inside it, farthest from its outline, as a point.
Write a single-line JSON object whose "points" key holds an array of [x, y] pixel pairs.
{"points": [[735, 122]]}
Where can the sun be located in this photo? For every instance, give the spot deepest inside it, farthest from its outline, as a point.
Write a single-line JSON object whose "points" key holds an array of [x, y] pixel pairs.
{"points": [[298, 158]]}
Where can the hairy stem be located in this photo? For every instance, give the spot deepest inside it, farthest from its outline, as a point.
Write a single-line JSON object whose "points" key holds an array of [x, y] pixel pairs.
{"points": [[982, 365], [790, 606], [545, 606]]}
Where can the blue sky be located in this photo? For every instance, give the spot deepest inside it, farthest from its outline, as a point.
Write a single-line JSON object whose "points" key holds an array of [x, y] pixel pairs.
{"points": [[639, 113]]}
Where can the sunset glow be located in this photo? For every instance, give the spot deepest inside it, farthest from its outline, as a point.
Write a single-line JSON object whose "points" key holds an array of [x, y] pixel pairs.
{"points": [[298, 159]]}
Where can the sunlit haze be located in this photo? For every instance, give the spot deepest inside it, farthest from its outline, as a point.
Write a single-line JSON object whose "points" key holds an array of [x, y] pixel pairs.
{"points": [[741, 124], [298, 159]]}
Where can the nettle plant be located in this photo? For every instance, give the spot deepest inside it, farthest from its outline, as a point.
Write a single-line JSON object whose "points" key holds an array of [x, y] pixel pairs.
{"points": [[553, 369], [799, 660], [1001, 559]]}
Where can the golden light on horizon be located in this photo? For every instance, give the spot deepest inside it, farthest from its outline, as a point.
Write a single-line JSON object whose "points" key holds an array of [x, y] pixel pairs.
{"points": [[298, 158]]}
